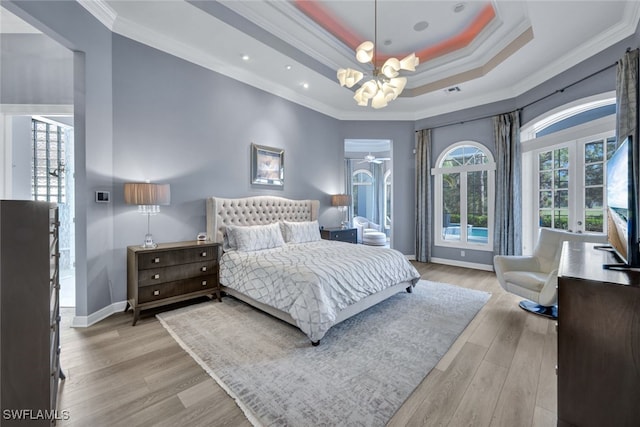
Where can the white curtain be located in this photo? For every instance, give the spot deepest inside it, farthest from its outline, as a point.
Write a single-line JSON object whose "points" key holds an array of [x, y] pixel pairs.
{"points": [[423, 196]]}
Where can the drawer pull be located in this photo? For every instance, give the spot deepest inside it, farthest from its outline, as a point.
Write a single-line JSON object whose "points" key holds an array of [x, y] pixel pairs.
{"points": [[203, 254], [203, 269], [156, 293], [155, 260], [156, 276], [204, 283]]}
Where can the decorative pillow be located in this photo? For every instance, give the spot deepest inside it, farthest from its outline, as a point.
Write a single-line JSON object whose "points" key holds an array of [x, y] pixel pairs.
{"points": [[228, 242], [255, 237], [301, 232]]}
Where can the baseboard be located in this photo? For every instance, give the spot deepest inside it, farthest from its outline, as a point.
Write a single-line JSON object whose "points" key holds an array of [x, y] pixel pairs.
{"points": [[410, 257], [103, 313], [465, 264]]}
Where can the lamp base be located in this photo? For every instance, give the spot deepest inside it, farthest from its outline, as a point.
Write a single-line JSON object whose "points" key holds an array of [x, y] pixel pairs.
{"points": [[148, 242]]}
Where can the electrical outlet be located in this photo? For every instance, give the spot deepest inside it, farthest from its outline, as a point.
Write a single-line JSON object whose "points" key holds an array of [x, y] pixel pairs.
{"points": [[461, 253]]}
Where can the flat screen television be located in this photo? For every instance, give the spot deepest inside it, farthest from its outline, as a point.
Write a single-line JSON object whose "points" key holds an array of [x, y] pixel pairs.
{"points": [[621, 206]]}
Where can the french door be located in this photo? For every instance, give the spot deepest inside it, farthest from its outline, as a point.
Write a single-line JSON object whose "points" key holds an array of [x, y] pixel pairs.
{"points": [[571, 184]]}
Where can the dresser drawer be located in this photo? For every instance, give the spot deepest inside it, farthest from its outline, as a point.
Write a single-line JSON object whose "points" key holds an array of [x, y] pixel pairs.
{"points": [[169, 274], [161, 291], [177, 256], [200, 283]]}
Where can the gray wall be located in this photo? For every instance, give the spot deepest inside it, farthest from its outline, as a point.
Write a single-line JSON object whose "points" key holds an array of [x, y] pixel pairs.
{"points": [[34, 69]]}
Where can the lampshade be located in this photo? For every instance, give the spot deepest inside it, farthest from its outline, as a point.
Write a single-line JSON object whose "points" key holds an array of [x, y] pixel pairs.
{"points": [[146, 193], [340, 200]]}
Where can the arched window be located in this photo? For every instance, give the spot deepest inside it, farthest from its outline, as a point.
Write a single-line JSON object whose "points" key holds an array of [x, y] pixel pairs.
{"points": [[362, 193], [464, 196], [387, 199]]}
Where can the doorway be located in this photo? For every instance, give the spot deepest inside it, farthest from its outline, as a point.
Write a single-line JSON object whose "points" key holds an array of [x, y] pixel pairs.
{"points": [[368, 179]]}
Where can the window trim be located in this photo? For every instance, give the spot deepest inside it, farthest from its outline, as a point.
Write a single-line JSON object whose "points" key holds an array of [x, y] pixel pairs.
{"points": [[437, 173]]}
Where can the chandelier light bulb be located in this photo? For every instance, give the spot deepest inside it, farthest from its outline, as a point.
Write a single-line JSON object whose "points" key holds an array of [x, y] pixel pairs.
{"points": [[409, 62], [364, 52]]}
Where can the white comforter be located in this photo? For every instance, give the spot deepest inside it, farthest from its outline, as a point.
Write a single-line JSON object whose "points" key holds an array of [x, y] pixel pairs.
{"points": [[314, 281]]}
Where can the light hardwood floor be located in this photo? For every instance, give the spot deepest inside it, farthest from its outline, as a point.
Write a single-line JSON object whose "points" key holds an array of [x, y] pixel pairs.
{"points": [[500, 371]]}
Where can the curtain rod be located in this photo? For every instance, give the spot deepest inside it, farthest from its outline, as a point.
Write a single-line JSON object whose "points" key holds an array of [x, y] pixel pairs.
{"points": [[532, 102]]}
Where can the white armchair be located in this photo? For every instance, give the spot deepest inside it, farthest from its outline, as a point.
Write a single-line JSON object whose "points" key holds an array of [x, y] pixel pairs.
{"points": [[369, 232], [536, 277]]}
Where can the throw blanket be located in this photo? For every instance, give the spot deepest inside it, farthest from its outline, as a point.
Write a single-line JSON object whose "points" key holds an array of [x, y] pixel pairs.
{"points": [[314, 281]]}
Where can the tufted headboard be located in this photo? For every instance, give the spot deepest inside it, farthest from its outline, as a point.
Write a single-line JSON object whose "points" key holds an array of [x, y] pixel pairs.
{"points": [[256, 210]]}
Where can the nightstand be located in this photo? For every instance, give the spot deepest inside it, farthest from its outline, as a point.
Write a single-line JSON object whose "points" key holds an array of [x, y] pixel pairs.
{"points": [[170, 273], [349, 235]]}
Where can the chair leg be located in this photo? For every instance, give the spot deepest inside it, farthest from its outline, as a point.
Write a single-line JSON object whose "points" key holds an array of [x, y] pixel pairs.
{"points": [[551, 312]]}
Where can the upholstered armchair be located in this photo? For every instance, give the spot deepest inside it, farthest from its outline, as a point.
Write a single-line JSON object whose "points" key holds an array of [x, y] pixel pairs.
{"points": [[369, 232], [536, 277]]}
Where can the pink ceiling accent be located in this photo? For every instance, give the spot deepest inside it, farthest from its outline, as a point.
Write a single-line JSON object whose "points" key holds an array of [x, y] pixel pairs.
{"points": [[333, 25], [329, 22], [460, 40]]}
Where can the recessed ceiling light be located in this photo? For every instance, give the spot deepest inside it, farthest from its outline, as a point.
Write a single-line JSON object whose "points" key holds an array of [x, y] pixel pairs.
{"points": [[287, 67], [459, 7], [387, 42], [305, 85], [421, 26], [245, 57]]}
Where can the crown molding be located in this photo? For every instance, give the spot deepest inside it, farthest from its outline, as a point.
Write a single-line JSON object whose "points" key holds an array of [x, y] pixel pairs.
{"points": [[101, 11]]}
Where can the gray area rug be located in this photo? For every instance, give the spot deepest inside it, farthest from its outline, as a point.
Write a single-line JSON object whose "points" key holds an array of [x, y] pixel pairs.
{"points": [[360, 374]]}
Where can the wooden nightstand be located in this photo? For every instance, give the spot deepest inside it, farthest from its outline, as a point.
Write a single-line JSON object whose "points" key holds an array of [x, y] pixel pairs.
{"points": [[170, 273], [349, 235]]}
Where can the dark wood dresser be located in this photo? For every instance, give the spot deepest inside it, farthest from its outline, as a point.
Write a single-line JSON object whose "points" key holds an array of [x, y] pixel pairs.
{"points": [[349, 235], [29, 313], [170, 273], [598, 340]]}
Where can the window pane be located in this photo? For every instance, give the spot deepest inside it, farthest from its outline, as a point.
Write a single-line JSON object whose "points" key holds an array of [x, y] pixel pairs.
{"points": [[464, 155], [593, 220], [593, 198], [477, 207], [451, 206], [546, 160], [612, 145], [545, 218], [561, 199], [561, 219], [546, 180], [561, 158], [593, 174], [594, 152], [546, 199], [562, 178]]}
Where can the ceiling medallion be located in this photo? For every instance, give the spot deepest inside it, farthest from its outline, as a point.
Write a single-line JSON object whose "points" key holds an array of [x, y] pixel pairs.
{"points": [[385, 84]]}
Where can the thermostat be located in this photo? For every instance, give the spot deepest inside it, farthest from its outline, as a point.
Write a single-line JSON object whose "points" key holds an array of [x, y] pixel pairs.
{"points": [[103, 197]]}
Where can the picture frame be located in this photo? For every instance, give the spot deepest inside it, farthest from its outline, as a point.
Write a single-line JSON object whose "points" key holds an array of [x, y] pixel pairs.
{"points": [[267, 165]]}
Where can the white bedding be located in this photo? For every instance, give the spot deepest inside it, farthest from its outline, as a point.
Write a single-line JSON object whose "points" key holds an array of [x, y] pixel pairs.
{"points": [[314, 281]]}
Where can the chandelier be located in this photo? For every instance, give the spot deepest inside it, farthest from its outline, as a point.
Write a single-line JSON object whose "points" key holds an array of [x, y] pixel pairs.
{"points": [[385, 84]]}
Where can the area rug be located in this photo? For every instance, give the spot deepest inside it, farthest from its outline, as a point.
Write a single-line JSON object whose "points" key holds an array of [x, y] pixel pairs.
{"points": [[360, 374]]}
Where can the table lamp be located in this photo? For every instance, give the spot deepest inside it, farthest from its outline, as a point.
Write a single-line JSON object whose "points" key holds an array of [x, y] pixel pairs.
{"points": [[148, 197], [342, 201]]}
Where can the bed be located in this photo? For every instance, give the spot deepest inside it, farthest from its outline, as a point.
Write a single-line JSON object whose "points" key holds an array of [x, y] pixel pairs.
{"points": [[273, 259]]}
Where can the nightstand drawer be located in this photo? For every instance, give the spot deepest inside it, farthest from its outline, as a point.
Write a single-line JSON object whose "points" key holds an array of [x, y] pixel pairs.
{"points": [[162, 291], [177, 256], [169, 274], [200, 283]]}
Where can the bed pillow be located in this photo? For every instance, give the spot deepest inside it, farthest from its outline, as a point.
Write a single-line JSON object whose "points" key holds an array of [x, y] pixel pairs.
{"points": [[301, 232], [228, 242], [255, 237]]}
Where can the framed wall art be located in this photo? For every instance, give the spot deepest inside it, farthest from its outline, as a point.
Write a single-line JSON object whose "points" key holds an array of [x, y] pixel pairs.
{"points": [[267, 165]]}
